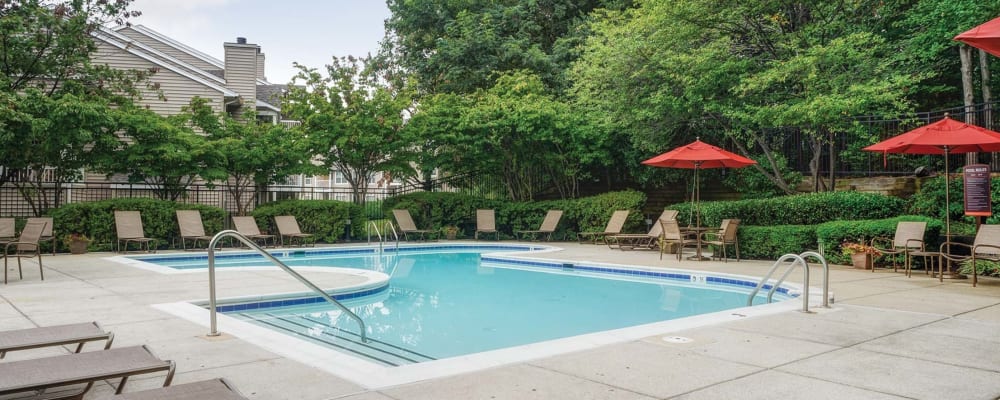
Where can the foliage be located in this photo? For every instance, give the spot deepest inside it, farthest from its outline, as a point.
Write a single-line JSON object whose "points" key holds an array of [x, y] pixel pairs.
{"points": [[851, 248], [772, 242], [159, 220], [353, 120], [752, 184], [252, 154], [832, 235], [983, 267], [326, 220], [434, 210], [801, 209], [930, 200]]}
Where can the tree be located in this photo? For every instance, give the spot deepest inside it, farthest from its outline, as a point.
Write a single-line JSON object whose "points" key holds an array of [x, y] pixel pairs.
{"points": [[353, 120], [253, 154]]}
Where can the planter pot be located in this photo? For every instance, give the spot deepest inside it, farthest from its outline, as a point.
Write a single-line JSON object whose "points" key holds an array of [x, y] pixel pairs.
{"points": [[450, 235], [862, 260], [78, 247]]}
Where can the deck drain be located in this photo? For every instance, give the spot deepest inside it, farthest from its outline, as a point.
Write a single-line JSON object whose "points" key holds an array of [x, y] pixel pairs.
{"points": [[677, 339]]}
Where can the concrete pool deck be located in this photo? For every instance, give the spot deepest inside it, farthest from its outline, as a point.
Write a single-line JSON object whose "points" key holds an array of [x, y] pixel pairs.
{"points": [[886, 337]]}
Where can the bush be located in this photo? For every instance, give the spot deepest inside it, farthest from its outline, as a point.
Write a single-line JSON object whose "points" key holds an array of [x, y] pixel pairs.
{"points": [[929, 201], [772, 242], [96, 220], [831, 234], [984, 267], [435, 210], [326, 220], [801, 209]]}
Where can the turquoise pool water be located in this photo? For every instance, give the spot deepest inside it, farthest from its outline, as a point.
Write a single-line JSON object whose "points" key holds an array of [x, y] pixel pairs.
{"points": [[450, 302]]}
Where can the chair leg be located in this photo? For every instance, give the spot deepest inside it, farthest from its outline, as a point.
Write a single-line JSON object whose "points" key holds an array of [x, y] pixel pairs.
{"points": [[40, 272]]}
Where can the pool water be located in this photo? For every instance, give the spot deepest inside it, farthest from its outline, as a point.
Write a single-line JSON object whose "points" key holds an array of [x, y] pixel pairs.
{"points": [[448, 304]]}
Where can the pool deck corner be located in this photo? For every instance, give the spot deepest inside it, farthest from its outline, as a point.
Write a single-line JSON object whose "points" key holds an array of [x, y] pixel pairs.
{"points": [[886, 337]]}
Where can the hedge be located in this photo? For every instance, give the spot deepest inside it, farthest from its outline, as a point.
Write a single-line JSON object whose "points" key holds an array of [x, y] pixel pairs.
{"points": [[772, 242], [326, 220], [434, 210], [159, 220], [800, 209], [831, 234]]}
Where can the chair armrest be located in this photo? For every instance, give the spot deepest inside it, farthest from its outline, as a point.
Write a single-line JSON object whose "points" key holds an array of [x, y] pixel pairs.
{"points": [[881, 243], [953, 257], [9, 244], [919, 241], [976, 248]]}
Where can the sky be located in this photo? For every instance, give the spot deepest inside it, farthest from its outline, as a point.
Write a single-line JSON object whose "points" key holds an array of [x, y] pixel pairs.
{"points": [[310, 32]]}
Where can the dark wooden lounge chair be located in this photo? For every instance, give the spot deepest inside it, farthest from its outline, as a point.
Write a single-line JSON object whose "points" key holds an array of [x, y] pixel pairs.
{"points": [[58, 335]]}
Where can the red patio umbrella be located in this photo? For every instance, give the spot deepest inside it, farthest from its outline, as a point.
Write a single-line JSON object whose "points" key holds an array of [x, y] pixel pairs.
{"points": [[946, 136], [985, 36], [698, 155]]}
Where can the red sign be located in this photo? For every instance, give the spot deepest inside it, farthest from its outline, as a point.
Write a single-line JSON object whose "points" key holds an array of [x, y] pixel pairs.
{"points": [[977, 190]]}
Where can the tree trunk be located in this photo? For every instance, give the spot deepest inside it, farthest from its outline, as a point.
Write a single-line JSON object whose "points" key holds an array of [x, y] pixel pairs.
{"points": [[968, 97], [773, 173]]}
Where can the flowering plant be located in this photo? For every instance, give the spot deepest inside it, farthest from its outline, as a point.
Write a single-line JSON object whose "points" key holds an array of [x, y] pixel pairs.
{"points": [[77, 237], [857, 248]]}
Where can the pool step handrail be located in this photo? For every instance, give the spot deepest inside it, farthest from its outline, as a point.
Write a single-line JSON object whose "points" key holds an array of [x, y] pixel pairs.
{"points": [[394, 235], [372, 225], [796, 259], [269, 256]]}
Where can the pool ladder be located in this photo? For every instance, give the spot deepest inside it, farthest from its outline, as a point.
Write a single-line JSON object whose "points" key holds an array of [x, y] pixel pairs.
{"points": [[300, 278], [374, 226], [796, 259]]}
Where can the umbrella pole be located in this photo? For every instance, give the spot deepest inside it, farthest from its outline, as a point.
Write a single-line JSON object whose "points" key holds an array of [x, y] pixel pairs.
{"points": [[947, 197], [697, 196]]}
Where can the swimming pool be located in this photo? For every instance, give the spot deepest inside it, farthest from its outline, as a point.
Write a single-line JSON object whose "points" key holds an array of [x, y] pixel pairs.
{"points": [[447, 302]]}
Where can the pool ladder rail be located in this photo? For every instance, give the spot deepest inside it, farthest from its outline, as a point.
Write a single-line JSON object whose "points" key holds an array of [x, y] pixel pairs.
{"points": [[796, 259], [286, 268], [372, 225]]}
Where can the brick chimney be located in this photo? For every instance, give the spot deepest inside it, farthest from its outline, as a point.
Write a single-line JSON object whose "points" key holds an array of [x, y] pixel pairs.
{"points": [[241, 72]]}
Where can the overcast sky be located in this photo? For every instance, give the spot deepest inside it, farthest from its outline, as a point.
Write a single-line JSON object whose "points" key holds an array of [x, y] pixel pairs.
{"points": [[309, 32]]}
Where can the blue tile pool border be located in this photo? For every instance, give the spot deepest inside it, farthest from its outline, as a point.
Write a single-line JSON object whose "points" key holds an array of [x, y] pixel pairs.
{"points": [[257, 305], [321, 251]]}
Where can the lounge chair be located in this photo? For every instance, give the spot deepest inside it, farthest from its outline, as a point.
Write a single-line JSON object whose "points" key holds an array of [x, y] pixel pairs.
{"points": [[54, 372], [614, 227], [909, 238], [548, 226], [407, 226], [25, 246], [191, 228], [47, 336], [288, 227], [47, 235], [214, 389], [486, 222], [985, 247], [247, 226], [8, 232], [726, 236], [625, 241], [128, 226], [672, 235]]}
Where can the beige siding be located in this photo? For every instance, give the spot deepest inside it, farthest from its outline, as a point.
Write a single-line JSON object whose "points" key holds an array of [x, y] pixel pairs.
{"points": [[241, 71], [260, 66], [167, 49], [178, 90]]}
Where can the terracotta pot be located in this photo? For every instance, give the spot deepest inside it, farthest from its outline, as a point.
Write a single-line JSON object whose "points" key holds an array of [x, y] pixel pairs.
{"points": [[78, 246], [861, 260]]}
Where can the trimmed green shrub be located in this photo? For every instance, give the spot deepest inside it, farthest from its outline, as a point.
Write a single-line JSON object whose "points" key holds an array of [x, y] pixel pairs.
{"points": [[326, 220], [801, 209], [435, 210], [929, 201], [771, 242], [831, 234], [96, 220]]}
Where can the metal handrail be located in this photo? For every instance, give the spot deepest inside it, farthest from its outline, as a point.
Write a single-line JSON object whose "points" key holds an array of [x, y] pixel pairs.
{"points": [[373, 225], [826, 275], [394, 235], [796, 260], [300, 278]]}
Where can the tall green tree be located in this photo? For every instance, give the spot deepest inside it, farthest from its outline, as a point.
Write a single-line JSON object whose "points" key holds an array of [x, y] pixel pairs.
{"points": [[353, 118]]}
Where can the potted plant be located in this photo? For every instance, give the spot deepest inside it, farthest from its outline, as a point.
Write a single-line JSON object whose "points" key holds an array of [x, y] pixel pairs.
{"points": [[861, 254], [450, 232], [77, 243]]}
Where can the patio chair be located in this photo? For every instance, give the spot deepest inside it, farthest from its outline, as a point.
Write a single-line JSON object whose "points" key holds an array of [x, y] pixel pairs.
{"points": [[289, 227], [247, 226], [985, 247], [25, 246], [128, 226], [548, 226], [486, 222], [214, 389], [43, 374], [7, 230], [614, 227], [47, 336], [191, 228], [909, 238], [47, 235], [726, 236], [672, 235], [625, 241], [407, 226]]}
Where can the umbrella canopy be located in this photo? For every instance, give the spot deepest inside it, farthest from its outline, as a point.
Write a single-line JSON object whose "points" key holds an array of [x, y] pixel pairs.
{"points": [[699, 154], [946, 136], [985, 37]]}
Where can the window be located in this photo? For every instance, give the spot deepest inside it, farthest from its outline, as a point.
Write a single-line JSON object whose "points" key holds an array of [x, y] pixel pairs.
{"points": [[308, 181], [338, 178]]}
